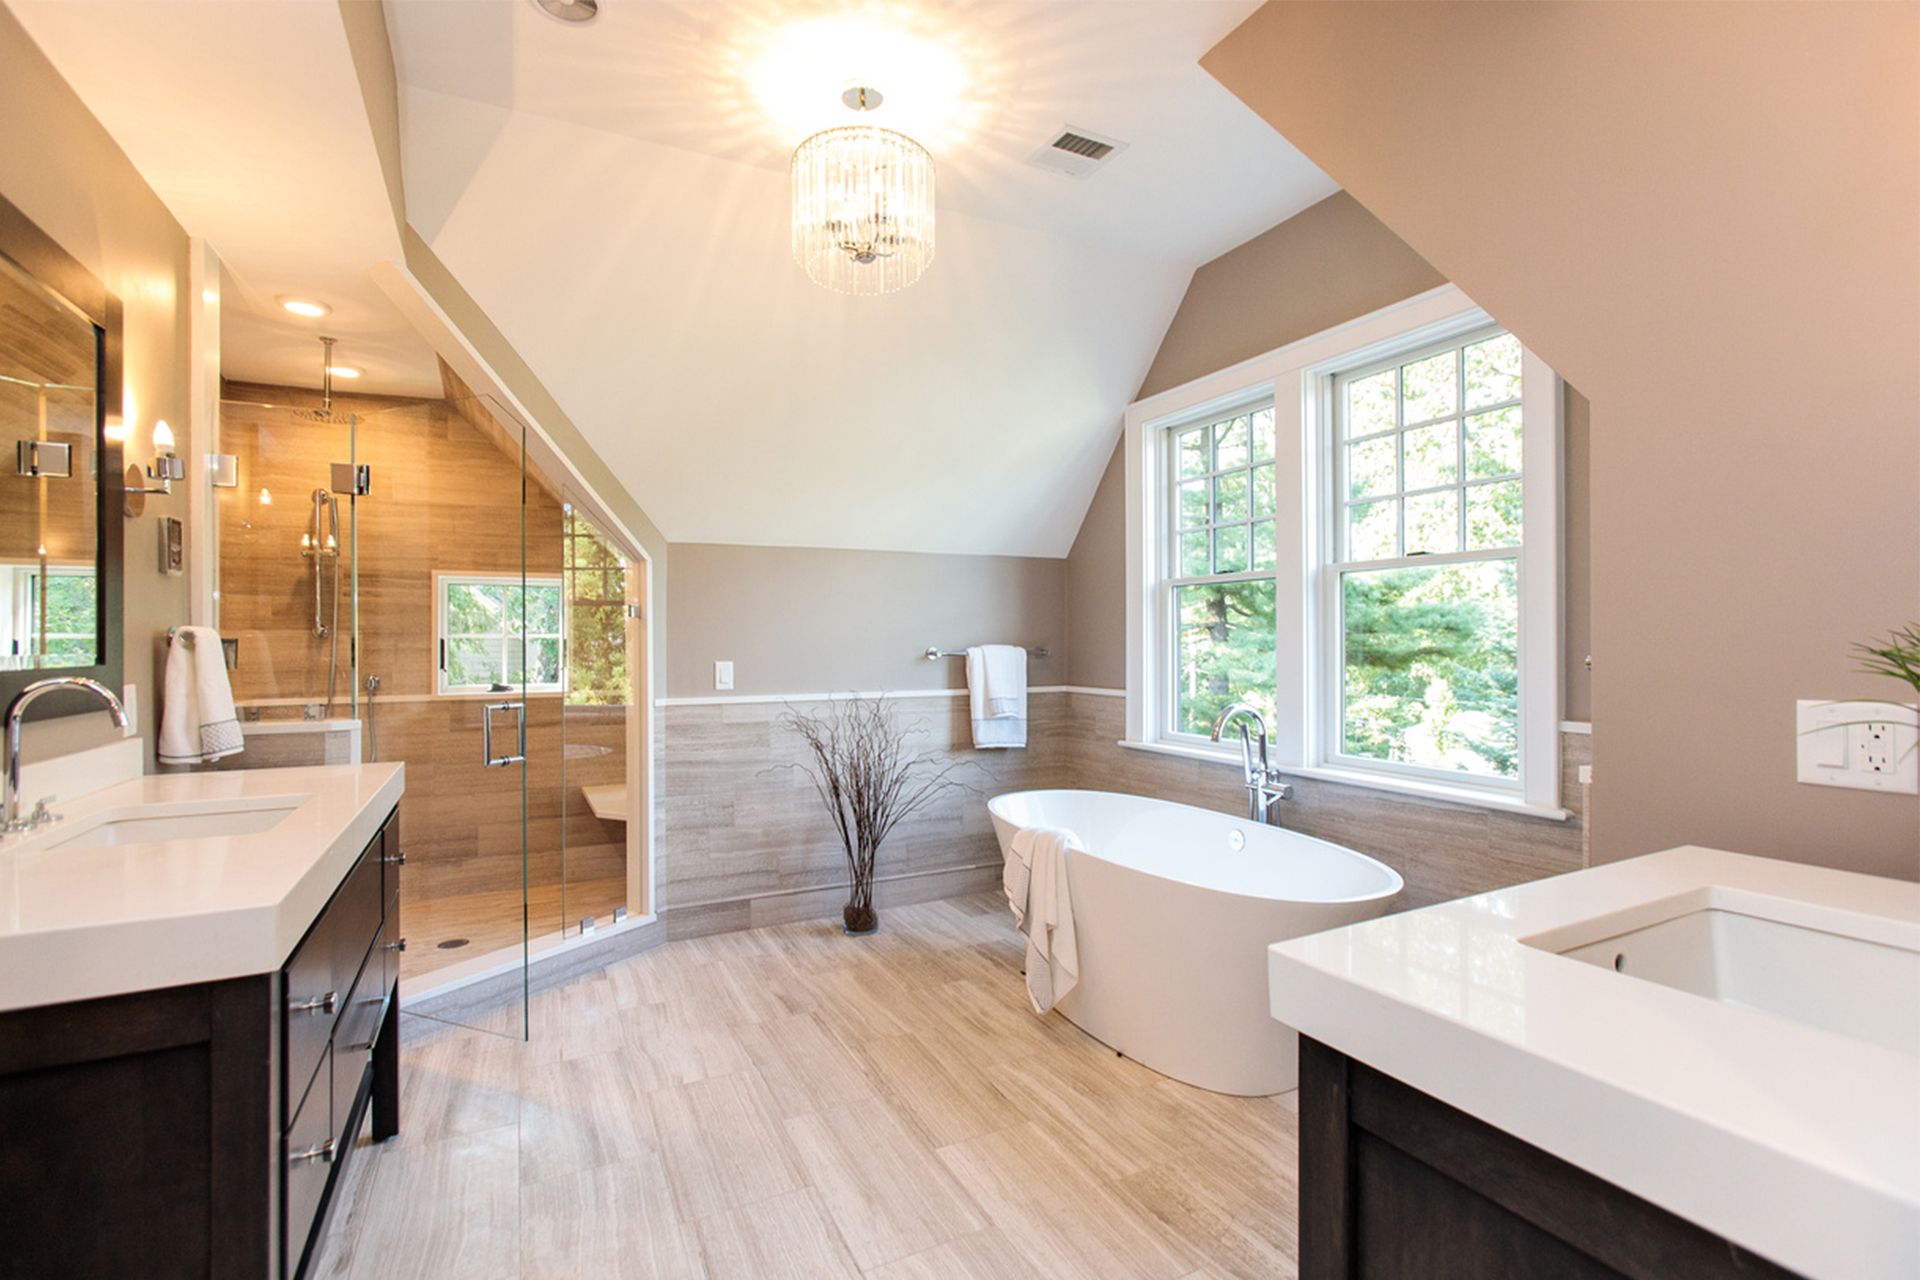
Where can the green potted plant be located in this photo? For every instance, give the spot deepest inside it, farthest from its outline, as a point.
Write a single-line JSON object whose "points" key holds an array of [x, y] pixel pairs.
{"points": [[1897, 656]]}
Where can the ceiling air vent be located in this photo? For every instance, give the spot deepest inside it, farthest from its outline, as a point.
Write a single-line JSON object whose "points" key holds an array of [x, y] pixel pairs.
{"points": [[1076, 153]]}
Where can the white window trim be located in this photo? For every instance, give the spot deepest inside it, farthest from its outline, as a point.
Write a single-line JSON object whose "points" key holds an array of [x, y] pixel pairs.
{"points": [[1296, 376], [440, 581]]}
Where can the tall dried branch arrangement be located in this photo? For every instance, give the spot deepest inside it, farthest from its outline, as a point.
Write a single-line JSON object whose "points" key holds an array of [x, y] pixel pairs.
{"points": [[871, 777]]}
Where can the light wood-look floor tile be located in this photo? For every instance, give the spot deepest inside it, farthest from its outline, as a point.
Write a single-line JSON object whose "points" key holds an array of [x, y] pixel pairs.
{"points": [[447, 1208], [791, 1102], [1051, 1205], [616, 1220], [983, 1255], [724, 1143], [887, 1193], [580, 1114], [804, 1065], [788, 1237]]}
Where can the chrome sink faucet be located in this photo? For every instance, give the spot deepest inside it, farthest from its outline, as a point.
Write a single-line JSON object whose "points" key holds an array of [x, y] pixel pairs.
{"points": [[1264, 788], [11, 821]]}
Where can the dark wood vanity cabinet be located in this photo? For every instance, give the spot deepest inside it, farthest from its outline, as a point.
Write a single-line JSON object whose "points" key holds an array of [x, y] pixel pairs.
{"points": [[1397, 1184], [200, 1130]]}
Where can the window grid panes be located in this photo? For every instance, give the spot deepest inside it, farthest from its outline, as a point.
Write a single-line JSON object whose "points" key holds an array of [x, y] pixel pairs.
{"points": [[1429, 453], [500, 632], [1428, 463], [1222, 557]]}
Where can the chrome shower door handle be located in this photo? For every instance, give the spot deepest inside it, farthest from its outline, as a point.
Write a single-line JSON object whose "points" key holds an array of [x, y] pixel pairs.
{"points": [[486, 734]]}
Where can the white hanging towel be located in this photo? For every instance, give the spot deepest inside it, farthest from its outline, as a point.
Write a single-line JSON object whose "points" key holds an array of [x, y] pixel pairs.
{"points": [[997, 695], [197, 724], [1036, 883]]}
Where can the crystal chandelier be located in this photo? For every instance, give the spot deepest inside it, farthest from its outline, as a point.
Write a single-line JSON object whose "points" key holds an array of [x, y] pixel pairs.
{"points": [[862, 206]]}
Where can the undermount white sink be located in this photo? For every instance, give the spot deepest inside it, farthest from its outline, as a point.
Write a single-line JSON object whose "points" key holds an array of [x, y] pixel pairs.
{"points": [[152, 824], [1852, 975]]}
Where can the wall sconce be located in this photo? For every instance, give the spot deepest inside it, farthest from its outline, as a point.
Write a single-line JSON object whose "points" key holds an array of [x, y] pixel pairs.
{"points": [[165, 468]]}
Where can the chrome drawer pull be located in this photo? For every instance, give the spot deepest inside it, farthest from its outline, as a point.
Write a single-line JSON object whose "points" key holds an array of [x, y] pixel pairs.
{"points": [[395, 860], [318, 1004], [323, 1153], [398, 944]]}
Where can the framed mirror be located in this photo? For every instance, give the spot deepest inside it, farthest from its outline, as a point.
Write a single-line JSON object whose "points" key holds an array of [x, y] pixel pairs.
{"points": [[60, 480]]}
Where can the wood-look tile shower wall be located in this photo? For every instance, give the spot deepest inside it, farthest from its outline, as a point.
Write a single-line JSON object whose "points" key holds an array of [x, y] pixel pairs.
{"points": [[446, 498]]}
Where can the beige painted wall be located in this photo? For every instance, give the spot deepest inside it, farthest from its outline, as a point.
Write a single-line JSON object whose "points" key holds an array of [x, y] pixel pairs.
{"points": [[63, 170], [1097, 587], [1707, 216], [1326, 265], [804, 620]]}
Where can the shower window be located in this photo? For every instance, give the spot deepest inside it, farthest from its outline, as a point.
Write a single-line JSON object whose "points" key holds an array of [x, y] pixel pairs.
{"points": [[500, 631]]}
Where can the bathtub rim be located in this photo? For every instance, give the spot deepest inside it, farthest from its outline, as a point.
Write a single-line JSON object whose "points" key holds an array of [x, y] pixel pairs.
{"points": [[1399, 882]]}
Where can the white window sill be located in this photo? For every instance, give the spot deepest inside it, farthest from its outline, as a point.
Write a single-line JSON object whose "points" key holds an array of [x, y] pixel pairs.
{"points": [[1471, 797]]}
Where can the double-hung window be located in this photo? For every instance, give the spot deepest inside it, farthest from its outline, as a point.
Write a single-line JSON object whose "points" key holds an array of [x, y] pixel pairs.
{"points": [[500, 632], [1422, 587], [1222, 550], [1359, 534]]}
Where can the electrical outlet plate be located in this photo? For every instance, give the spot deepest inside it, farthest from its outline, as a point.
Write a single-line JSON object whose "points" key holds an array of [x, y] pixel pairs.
{"points": [[723, 675], [1872, 746]]}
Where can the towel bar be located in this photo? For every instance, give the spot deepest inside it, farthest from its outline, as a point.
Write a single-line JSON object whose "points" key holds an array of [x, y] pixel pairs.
{"points": [[934, 653]]}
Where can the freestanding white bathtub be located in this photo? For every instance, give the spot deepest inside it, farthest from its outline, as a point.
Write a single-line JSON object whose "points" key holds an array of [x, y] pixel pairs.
{"points": [[1174, 908]]}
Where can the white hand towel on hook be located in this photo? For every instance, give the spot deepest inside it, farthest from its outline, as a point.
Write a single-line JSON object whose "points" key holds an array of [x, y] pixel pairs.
{"points": [[997, 695], [197, 723]]}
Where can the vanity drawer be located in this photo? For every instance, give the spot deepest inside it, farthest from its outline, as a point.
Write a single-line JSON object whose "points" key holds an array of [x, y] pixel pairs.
{"points": [[306, 1160], [320, 976], [353, 1042]]}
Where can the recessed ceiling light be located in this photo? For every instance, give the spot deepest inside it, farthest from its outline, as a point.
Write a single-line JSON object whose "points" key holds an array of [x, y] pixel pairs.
{"points": [[303, 307], [343, 371], [569, 10]]}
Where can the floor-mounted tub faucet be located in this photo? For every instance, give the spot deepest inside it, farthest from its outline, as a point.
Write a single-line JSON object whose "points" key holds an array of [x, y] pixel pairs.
{"points": [[1264, 788], [10, 820]]}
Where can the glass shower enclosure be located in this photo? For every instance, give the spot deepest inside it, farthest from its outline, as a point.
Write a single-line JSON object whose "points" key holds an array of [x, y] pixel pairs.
{"points": [[376, 587]]}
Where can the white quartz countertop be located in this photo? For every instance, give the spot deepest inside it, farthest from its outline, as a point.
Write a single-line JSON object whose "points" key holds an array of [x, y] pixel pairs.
{"points": [[76, 923], [1802, 1145]]}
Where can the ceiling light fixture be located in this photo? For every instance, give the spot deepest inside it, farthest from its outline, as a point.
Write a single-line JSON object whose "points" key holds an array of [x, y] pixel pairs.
{"points": [[862, 205], [303, 307], [343, 371], [570, 11]]}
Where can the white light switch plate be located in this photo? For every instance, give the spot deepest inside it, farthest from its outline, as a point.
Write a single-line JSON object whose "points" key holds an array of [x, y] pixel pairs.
{"points": [[1867, 745], [723, 675]]}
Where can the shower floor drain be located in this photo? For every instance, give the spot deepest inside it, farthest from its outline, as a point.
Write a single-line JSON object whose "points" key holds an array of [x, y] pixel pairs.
{"points": [[453, 944]]}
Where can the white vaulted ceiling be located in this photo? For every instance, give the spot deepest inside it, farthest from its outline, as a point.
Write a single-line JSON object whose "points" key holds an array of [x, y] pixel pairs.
{"points": [[615, 196]]}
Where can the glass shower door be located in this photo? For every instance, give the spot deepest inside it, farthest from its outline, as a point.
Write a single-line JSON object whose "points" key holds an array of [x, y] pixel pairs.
{"points": [[451, 657]]}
